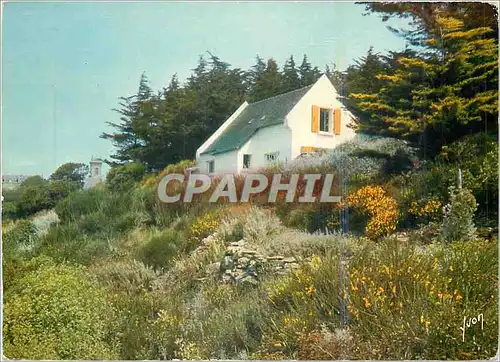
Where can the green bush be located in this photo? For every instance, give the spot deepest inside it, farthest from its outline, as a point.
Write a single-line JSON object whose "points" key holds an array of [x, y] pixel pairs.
{"points": [[66, 242], [57, 312], [477, 156], [81, 203], [60, 189], [34, 196], [15, 242], [124, 178], [310, 217], [10, 210], [458, 222], [408, 302], [160, 251]]}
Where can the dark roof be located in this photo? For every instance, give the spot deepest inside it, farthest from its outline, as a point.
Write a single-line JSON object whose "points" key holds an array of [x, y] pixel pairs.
{"points": [[257, 115]]}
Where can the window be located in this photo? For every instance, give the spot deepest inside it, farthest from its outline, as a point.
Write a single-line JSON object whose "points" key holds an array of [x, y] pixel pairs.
{"points": [[246, 160], [272, 157], [324, 120], [211, 166]]}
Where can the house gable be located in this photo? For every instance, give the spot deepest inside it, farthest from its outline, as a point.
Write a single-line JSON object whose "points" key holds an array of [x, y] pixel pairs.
{"points": [[254, 116], [304, 119]]}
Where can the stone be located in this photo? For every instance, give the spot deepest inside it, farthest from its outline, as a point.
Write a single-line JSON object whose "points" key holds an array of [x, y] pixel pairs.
{"points": [[243, 261], [247, 279], [276, 257], [212, 268], [227, 263], [241, 242], [248, 251], [289, 259]]}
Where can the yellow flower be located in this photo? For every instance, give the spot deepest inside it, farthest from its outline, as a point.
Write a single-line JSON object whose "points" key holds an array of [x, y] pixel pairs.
{"points": [[367, 302]]}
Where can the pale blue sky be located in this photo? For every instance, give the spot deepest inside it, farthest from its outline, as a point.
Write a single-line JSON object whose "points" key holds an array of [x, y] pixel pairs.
{"points": [[66, 64]]}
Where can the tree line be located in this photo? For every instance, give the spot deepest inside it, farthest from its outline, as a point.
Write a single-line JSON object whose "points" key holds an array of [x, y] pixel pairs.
{"points": [[442, 87], [157, 129]]}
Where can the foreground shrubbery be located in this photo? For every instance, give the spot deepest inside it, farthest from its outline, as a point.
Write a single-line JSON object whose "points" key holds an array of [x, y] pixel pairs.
{"points": [[57, 312]]}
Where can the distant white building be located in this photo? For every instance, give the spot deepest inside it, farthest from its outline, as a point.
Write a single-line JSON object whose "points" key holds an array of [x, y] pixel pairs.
{"points": [[277, 129], [95, 173]]}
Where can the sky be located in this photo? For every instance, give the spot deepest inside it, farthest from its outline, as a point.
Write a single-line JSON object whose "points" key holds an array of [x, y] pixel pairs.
{"points": [[64, 65]]}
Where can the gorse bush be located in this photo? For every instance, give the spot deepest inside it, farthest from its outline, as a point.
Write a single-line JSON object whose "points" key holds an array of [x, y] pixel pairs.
{"points": [[382, 209], [458, 223], [203, 227], [428, 211], [404, 302], [57, 312]]}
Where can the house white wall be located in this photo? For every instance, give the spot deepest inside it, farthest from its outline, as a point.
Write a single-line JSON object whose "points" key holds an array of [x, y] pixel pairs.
{"points": [[226, 162], [299, 119], [277, 138]]}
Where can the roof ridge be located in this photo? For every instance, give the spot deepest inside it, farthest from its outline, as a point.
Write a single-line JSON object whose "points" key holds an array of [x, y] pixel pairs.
{"points": [[282, 94]]}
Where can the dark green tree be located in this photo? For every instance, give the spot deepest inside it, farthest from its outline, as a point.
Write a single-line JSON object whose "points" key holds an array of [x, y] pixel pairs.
{"points": [[269, 83], [129, 134], [308, 74], [71, 171], [444, 92], [290, 73]]}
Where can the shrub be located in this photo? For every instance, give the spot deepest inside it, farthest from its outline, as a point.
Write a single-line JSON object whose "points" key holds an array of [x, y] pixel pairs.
{"points": [[127, 275], [259, 225], [123, 178], [34, 196], [381, 208], [15, 242], [426, 212], [81, 203], [203, 227], [310, 217], [323, 344], [458, 223], [10, 210], [66, 243], [160, 251], [404, 300], [59, 189], [57, 312], [179, 167]]}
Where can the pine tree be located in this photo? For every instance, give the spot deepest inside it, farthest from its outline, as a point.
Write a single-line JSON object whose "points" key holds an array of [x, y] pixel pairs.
{"points": [[290, 73], [424, 15], [269, 82], [441, 94], [308, 74], [128, 136]]}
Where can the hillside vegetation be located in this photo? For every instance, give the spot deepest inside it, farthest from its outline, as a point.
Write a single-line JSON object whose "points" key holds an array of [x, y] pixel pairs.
{"points": [[121, 275]]}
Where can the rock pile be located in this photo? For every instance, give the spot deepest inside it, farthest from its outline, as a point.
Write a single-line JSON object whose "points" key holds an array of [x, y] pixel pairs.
{"points": [[242, 264]]}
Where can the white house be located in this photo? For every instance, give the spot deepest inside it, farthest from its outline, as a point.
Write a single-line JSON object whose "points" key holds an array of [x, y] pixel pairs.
{"points": [[277, 129]]}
